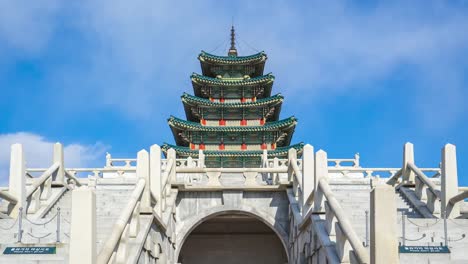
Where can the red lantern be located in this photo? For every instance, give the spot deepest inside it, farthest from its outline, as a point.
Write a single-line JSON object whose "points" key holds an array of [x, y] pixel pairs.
{"points": [[244, 146], [243, 122], [222, 122]]}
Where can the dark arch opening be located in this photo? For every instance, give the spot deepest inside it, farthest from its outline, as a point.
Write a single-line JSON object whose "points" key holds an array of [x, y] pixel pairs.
{"points": [[232, 238]]}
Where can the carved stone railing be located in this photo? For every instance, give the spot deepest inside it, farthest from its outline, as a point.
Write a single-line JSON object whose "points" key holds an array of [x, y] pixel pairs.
{"points": [[338, 162], [125, 227], [440, 202], [40, 189], [125, 163], [347, 243], [314, 198], [29, 197]]}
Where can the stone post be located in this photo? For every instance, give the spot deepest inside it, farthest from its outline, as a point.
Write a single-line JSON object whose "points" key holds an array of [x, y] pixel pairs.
{"points": [[308, 176], [171, 154], [265, 159], [449, 181], [83, 227], [201, 159], [155, 175], [383, 228], [58, 158], [408, 156], [321, 171], [143, 171], [17, 184]]}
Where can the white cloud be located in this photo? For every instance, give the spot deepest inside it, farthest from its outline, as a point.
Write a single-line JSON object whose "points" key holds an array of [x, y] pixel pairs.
{"points": [[38, 153]]}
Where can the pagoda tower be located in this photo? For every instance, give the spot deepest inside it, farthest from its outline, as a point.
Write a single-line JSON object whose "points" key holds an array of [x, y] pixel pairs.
{"points": [[232, 116]]}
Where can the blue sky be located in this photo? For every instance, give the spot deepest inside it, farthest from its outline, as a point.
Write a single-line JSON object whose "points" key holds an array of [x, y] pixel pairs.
{"points": [[360, 76]]}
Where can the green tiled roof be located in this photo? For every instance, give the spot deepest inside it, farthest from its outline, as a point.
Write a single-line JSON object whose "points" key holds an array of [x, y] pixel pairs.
{"points": [[193, 126], [185, 151], [259, 57], [198, 78], [194, 100]]}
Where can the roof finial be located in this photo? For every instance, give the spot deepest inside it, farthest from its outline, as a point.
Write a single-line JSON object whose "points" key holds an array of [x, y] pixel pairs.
{"points": [[232, 49]]}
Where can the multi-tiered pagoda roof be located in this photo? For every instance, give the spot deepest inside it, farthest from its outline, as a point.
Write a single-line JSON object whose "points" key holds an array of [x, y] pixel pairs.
{"points": [[232, 117]]}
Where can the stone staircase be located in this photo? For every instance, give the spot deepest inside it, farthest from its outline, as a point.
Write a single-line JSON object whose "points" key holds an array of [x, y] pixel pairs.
{"points": [[109, 204], [355, 200]]}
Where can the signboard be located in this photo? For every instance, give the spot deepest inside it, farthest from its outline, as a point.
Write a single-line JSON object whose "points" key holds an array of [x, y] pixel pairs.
{"points": [[29, 250], [424, 249]]}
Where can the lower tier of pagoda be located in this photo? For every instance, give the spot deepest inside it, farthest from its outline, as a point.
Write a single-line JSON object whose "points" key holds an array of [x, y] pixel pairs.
{"points": [[232, 158]]}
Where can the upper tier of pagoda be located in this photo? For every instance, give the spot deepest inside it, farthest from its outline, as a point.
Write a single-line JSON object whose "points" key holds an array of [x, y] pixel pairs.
{"points": [[232, 87], [213, 65], [232, 115]]}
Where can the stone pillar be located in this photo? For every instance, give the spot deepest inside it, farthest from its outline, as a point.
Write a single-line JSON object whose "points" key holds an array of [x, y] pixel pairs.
{"points": [[155, 175], [383, 228], [143, 171], [408, 156], [83, 227], [308, 176], [58, 158], [201, 159], [17, 184], [449, 180], [171, 154], [321, 171]]}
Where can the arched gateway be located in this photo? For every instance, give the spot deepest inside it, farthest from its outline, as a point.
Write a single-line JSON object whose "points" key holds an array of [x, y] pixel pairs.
{"points": [[229, 237], [233, 226]]}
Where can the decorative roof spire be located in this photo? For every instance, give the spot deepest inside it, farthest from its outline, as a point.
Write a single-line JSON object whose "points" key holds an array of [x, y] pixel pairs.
{"points": [[232, 50]]}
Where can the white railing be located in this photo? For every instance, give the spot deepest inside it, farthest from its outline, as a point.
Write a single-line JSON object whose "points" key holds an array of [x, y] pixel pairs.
{"points": [[353, 162], [314, 197], [126, 226], [40, 189], [125, 163], [339, 227]]}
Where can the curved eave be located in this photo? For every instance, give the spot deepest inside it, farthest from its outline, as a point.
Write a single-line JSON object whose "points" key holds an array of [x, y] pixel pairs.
{"points": [[198, 101], [182, 125], [206, 57], [278, 152], [198, 79]]}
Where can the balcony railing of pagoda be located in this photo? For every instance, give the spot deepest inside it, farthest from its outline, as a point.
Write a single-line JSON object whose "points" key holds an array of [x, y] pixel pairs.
{"points": [[442, 202]]}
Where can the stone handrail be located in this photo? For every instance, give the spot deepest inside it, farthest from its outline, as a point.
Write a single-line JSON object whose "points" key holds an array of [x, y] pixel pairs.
{"points": [[40, 189], [44, 177], [354, 161], [122, 227], [72, 177], [110, 161], [166, 182], [424, 180], [333, 210], [4, 194], [368, 172], [98, 171], [459, 197]]}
